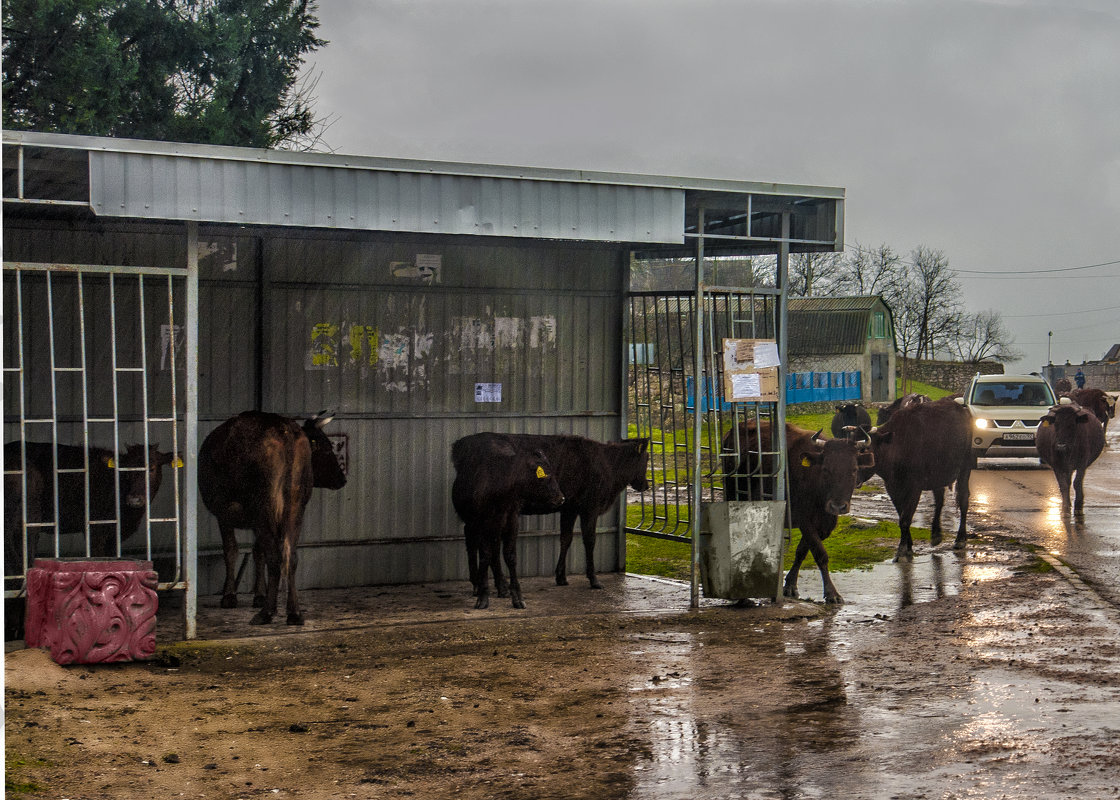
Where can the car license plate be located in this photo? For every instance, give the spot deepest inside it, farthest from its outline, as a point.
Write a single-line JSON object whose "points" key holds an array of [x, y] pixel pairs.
{"points": [[1018, 437]]}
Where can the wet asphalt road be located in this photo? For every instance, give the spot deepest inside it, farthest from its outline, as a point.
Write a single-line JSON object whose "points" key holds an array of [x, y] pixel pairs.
{"points": [[1026, 496]]}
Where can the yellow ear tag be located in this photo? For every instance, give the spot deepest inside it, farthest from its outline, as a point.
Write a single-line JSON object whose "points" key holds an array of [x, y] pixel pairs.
{"points": [[805, 462], [541, 473], [1045, 423], [112, 463], [178, 463]]}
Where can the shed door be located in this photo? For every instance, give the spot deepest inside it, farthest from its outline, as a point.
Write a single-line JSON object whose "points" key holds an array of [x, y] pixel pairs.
{"points": [[880, 369]]}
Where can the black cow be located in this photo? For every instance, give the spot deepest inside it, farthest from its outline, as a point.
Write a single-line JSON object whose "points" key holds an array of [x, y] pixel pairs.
{"points": [[591, 476], [496, 475], [1069, 439], [140, 474], [822, 476], [257, 471], [925, 445], [887, 412], [850, 420], [1102, 404]]}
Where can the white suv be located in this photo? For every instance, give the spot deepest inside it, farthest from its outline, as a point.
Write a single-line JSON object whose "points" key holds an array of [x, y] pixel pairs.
{"points": [[1006, 410]]}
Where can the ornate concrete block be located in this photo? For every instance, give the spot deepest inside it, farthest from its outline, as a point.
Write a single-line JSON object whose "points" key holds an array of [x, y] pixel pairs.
{"points": [[92, 611]]}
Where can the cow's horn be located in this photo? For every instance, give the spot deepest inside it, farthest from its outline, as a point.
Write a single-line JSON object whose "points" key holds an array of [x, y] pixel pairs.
{"points": [[817, 436]]}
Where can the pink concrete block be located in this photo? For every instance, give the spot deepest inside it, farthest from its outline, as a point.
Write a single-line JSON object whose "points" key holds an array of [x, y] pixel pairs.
{"points": [[92, 611]]}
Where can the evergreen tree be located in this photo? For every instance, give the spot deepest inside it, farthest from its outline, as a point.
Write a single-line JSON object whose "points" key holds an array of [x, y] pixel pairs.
{"points": [[207, 71]]}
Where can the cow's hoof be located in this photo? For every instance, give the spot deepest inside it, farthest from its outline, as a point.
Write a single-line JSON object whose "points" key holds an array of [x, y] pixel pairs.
{"points": [[960, 545], [595, 584], [295, 619], [935, 539], [518, 602], [483, 601], [907, 557], [561, 580], [502, 592], [837, 599], [262, 617], [790, 591], [258, 601], [228, 601]]}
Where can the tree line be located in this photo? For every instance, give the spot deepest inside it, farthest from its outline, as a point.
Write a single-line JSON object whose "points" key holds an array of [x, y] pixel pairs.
{"points": [[922, 291]]}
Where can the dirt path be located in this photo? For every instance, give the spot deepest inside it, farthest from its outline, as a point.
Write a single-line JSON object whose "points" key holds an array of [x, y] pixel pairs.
{"points": [[978, 677]]}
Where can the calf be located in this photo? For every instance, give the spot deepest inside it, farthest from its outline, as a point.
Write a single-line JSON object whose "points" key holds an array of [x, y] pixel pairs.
{"points": [[925, 445], [822, 476], [1069, 439], [257, 471], [1102, 405], [850, 419], [591, 476], [139, 472], [496, 476]]}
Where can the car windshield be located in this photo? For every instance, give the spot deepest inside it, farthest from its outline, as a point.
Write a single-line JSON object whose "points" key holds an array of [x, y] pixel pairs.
{"points": [[1012, 393]]}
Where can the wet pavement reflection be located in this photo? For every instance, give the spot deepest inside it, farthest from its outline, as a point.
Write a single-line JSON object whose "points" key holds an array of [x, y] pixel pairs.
{"points": [[937, 679]]}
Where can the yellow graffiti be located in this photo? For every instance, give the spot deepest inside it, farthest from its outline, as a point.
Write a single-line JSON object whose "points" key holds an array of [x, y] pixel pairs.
{"points": [[363, 336], [324, 345]]}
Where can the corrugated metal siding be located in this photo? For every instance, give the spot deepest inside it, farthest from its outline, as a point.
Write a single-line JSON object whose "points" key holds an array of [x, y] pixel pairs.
{"points": [[148, 185]]}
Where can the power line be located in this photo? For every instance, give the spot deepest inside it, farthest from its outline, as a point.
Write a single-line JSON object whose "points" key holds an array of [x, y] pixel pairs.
{"points": [[1060, 313], [994, 273]]}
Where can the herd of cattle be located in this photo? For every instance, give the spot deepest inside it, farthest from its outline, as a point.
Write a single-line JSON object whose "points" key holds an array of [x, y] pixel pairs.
{"points": [[257, 470]]}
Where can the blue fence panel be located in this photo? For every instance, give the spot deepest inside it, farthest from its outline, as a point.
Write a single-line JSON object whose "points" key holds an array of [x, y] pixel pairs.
{"points": [[706, 401], [823, 387]]}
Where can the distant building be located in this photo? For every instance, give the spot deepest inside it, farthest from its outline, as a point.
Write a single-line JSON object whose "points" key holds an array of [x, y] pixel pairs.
{"points": [[845, 334], [1102, 374]]}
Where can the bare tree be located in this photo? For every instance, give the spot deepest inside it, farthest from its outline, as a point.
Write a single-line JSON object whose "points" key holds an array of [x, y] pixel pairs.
{"points": [[814, 274], [937, 298], [984, 336]]}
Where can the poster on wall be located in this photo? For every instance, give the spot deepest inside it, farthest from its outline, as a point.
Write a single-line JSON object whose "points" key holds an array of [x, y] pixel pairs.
{"points": [[488, 393], [750, 370]]}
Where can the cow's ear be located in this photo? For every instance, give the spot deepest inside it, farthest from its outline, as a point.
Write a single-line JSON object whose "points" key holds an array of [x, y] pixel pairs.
{"points": [[811, 459], [881, 437], [1082, 416]]}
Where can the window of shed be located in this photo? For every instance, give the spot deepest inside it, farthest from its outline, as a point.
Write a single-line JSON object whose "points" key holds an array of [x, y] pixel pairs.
{"points": [[879, 325]]}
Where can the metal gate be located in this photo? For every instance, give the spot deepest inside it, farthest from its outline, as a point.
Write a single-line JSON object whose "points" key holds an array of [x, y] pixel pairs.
{"points": [[668, 386], [94, 400]]}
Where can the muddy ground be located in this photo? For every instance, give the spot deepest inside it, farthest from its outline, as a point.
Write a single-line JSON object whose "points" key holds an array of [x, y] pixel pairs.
{"points": [[984, 676]]}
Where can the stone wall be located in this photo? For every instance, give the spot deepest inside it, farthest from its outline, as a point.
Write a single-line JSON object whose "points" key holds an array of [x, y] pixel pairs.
{"points": [[950, 375], [1098, 374]]}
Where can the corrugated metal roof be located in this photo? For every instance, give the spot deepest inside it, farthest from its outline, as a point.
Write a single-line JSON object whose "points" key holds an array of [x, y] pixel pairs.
{"points": [[206, 183], [831, 325]]}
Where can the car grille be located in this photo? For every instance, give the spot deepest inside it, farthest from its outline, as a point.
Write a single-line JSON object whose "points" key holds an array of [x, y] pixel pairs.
{"points": [[1007, 423]]}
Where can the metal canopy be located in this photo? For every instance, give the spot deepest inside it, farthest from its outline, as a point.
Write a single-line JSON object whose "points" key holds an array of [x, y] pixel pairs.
{"points": [[203, 183]]}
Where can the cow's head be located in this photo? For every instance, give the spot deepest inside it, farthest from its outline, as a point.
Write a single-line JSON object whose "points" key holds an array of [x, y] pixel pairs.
{"points": [[835, 466], [639, 479], [543, 488], [139, 470], [1065, 419], [325, 469]]}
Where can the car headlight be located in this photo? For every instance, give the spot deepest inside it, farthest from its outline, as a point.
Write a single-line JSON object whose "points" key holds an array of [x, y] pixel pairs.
{"points": [[981, 423]]}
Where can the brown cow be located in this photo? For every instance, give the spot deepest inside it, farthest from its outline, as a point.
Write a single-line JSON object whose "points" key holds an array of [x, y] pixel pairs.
{"points": [[1069, 439], [822, 476], [257, 471], [140, 475], [1102, 404], [925, 445], [886, 412], [850, 420], [496, 475]]}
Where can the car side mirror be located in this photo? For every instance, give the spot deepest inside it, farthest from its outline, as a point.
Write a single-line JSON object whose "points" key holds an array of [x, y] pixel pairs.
{"points": [[959, 400]]}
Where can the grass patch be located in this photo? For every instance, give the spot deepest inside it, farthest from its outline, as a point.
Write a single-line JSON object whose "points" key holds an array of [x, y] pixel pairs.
{"points": [[917, 387], [813, 422], [848, 548], [14, 784]]}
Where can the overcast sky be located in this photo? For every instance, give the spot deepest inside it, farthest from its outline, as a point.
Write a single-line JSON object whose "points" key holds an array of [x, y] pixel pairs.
{"points": [[987, 129]]}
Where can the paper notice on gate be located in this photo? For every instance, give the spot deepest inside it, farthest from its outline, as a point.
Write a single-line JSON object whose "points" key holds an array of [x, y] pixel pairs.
{"points": [[750, 370]]}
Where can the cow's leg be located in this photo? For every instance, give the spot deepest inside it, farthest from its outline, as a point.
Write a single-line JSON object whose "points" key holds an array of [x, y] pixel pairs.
{"points": [[567, 530], [1063, 485], [270, 551], [935, 526], [470, 537], [486, 551], [587, 523], [289, 559], [229, 550], [1079, 491], [509, 551], [789, 586], [820, 555], [963, 494], [905, 504], [260, 575]]}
